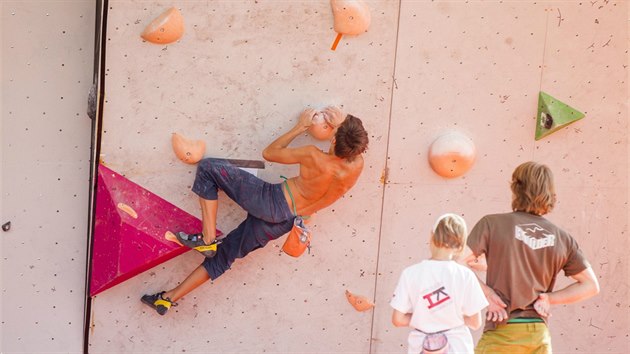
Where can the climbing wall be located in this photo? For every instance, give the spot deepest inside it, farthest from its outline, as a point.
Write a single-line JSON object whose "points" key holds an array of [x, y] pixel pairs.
{"points": [[477, 68], [47, 62], [238, 79], [244, 70]]}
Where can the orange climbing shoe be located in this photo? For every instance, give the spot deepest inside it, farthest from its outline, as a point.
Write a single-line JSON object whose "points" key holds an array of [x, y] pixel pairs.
{"points": [[158, 303], [195, 241]]}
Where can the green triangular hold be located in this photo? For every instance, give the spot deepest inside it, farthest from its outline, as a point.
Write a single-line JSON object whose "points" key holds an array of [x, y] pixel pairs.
{"points": [[553, 115]]}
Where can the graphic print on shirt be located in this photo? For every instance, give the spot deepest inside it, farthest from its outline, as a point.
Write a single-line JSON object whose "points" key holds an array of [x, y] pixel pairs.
{"points": [[436, 297], [534, 236]]}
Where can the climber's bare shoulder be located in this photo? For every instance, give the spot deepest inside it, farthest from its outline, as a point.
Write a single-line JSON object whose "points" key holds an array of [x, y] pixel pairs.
{"points": [[324, 179]]}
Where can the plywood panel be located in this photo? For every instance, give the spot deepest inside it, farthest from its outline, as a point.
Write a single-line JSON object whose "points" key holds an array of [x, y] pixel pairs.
{"points": [[471, 67], [586, 66], [238, 79], [527, 51], [47, 50]]}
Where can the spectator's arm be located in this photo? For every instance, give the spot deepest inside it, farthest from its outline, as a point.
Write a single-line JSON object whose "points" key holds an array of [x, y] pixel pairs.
{"points": [[584, 287], [400, 319], [474, 321]]}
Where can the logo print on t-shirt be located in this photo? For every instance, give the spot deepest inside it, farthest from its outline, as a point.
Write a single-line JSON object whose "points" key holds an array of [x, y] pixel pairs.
{"points": [[436, 297], [534, 236]]}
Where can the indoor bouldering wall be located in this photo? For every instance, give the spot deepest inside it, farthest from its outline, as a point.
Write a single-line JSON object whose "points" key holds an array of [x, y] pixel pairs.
{"points": [[238, 78]]}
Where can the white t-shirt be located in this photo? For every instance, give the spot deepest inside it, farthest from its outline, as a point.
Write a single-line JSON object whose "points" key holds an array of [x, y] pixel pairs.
{"points": [[439, 294]]}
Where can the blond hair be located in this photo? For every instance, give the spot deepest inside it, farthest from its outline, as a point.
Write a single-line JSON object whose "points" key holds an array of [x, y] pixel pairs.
{"points": [[449, 231], [533, 189]]}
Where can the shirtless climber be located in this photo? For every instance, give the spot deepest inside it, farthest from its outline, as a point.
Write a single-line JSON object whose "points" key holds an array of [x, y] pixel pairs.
{"points": [[323, 178]]}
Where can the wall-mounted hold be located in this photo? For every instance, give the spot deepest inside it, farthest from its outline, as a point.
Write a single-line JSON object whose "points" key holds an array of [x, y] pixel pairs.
{"points": [[452, 154], [324, 124], [127, 209], [320, 128], [352, 17], [171, 237], [6, 226], [166, 28], [91, 110], [553, 115], [359, 302], [189, 151]]}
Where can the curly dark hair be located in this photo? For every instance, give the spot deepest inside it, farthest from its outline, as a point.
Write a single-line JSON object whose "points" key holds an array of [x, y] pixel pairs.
{"points": [[351, 139]]}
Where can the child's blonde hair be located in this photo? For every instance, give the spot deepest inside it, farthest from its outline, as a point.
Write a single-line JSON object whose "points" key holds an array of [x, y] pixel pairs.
{"points": [[450, 231]]}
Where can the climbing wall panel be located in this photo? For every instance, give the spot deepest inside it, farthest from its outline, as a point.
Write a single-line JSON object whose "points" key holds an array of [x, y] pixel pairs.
{"points": [[237, 79], [586, 66], [492, 60], [46, 72]]}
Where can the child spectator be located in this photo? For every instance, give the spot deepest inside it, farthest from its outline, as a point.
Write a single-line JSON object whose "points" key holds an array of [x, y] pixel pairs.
{"points": [[439, 298]]}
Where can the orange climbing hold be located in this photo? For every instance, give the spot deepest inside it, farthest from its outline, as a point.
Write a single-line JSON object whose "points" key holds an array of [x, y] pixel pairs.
{"points": [[359, 302], [352, 17], [171, 237], [320, 128], [166, 28], [325, 123], [127, 209], [189, 151], [452, 155]]}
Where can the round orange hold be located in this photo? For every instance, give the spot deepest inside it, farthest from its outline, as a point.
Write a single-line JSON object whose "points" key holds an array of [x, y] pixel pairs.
{"points": [[321, 129], [189, 151], [351, 16], [166, 28], [452, 155]]}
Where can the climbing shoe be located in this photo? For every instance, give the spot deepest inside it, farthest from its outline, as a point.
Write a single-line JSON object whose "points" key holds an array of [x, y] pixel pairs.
{"points": [[195, 241], [158, 303]]}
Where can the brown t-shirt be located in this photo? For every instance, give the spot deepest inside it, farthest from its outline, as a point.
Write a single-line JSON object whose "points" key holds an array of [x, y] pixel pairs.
{"points": [[525, 253]]}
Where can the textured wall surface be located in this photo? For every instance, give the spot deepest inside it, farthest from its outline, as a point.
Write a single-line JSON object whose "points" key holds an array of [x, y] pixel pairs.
{"points": [[237, 79], [244, 70], [477, 67], [47, 55]]}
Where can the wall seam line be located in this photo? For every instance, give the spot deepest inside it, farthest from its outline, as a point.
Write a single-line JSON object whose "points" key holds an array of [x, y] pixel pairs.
{"points": [[542, 71], [100, 46], [385, 174]]}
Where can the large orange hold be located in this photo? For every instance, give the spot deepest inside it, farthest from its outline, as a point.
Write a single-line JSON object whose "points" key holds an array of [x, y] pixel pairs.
{"points": [[320, 128], [166, 28], [351, 16], [452, 155], [189, 151]]}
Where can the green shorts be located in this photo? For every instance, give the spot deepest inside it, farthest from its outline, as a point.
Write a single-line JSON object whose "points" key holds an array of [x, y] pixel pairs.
{"points": [[516, 338]]}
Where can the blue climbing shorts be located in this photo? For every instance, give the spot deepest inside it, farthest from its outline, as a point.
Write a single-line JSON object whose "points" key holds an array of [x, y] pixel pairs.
{"points": [[268, 215]]}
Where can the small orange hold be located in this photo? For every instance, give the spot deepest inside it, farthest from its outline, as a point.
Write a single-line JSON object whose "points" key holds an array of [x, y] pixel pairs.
{"points": [[189, 151], [452, 155], [359, 302], [171, 237], [127, 209], [166, 28]]}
